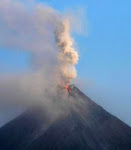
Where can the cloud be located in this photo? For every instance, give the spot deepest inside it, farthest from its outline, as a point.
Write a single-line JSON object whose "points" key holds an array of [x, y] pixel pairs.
{"points": [[45, 33]]}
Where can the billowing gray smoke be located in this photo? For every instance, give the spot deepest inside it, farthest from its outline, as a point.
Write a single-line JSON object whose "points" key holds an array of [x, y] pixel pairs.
{"points": [[45, 33], [42, 31], [67, 55]]}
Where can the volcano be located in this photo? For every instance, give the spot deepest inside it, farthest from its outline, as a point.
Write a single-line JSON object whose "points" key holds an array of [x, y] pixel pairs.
{"points": [[89, 127]]}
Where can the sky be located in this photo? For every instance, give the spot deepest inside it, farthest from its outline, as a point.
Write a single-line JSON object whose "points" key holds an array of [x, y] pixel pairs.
{"points": [[105, 53]]}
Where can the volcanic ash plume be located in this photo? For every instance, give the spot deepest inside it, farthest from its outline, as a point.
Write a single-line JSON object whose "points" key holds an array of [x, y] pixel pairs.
{"points": [[44, 33], [67, 56]]}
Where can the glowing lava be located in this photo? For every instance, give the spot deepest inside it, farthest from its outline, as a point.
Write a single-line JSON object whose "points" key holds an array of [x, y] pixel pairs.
{"points": [[69, 89]]}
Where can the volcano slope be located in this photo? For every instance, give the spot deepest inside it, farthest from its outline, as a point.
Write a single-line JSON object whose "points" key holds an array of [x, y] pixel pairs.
{"points": [[87, 127]]}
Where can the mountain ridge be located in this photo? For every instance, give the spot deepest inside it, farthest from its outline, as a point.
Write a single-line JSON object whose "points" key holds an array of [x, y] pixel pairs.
{"points": [[87, 127]]}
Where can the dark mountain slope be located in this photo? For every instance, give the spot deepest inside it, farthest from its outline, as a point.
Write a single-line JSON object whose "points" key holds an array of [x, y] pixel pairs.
{"points": [[68, 134], [87, 127], [20, 132]]}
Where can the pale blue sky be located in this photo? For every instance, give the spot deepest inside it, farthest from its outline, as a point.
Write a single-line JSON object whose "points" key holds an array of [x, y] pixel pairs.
{"points": [[105, 55]]}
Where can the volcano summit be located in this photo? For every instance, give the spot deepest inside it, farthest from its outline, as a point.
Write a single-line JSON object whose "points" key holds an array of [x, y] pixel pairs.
{"points": [[87, 127]]}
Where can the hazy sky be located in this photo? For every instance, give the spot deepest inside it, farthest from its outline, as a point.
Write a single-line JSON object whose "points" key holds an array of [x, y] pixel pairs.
{"points": [[105, 54]]}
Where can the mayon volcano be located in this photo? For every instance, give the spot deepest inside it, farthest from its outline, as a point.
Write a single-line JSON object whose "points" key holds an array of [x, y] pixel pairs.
{"points": [[87, 126]]}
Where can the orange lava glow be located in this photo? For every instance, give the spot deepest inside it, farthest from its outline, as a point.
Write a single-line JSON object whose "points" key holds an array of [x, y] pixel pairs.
{"points": [[69, 89]]}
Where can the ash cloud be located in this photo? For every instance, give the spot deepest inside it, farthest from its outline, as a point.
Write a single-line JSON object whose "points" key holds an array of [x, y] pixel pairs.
{"points": [[67, 55], [46, 34]]}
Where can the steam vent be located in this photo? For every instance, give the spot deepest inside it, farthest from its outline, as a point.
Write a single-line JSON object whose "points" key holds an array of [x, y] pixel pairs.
{"points": [[89, 127]]}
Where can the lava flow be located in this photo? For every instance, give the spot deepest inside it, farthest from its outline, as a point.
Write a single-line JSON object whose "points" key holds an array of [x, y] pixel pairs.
{"points": [[69, 89]]}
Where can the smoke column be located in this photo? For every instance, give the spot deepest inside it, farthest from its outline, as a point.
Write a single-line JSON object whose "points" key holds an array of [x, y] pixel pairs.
{"points": [[67, 56]]}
